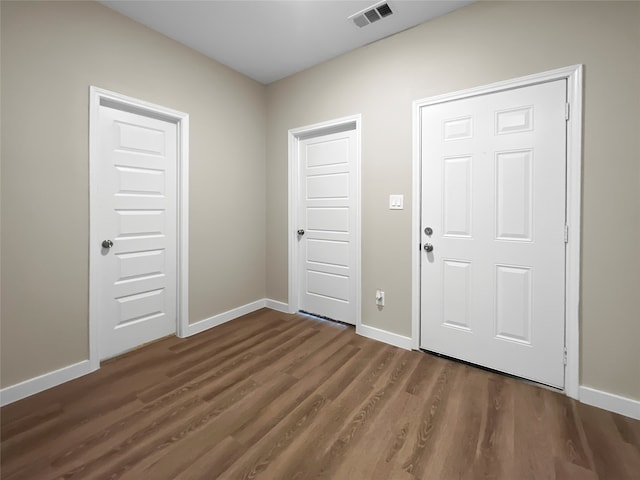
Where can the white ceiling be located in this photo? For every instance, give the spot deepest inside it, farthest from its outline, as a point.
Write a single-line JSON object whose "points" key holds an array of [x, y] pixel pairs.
{"points": [[270, 39]]}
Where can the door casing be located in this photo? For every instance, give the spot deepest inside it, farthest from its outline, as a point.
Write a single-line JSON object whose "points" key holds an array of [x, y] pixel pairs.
{"points": [[573, 75], [98, 97], [352, 122]]}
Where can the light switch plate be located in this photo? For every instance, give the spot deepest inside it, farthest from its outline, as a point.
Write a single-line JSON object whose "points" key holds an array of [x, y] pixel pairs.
{"points": [[396, 202]]}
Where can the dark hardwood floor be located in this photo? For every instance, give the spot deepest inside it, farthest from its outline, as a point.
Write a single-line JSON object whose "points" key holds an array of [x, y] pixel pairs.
{"points": [[283, 397]]}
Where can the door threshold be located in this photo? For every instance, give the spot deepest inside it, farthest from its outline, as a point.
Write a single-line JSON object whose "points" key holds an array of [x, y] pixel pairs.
{"points": [[491, 370], [316, 316]]}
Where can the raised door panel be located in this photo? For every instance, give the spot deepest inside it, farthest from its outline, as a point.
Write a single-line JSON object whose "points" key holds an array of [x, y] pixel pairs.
{"points": [[514, 195], [457, 193]]}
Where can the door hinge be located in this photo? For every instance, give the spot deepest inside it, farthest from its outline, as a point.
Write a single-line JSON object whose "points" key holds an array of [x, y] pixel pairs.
{"points": [[564, 355], [566, 111], [566, 233]]}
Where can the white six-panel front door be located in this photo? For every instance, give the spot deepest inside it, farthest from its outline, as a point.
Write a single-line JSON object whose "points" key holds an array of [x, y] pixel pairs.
{"points": [[327, 215], [136, 174], [493, 193]]}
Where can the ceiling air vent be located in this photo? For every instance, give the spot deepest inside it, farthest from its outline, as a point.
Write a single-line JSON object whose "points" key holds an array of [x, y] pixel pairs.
{"points": [[372, 14], [384, 10]]}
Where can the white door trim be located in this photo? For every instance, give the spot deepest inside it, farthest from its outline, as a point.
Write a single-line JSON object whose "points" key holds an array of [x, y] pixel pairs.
{"points": [[573, 75], [98, 97], [353, 122]]}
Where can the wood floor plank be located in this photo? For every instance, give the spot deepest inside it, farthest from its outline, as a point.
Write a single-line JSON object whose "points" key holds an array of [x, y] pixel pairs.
{"points": [[533, 450], [276, 396], [346, 388], [567, 440], [278, 439], [612, 455], [256, 365], [224, 362], [402, 431], [335, 433], [425, 374], [201, 357], [351, 435], [494, 458], [570, 471], [77, 418], [382, 438], [316, 381], [68, 438], [628, 429], [212, 464], [200, 420], [431, 423], [465, 427], [335, 340]]}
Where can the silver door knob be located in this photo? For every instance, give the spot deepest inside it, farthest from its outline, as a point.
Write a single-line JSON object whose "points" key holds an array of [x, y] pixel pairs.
{"points": [[300, 232], [107, 244], [428, 247]]}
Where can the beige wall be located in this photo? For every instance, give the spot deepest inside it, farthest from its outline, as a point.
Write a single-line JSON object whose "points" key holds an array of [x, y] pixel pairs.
{"points": [[483, 43], [51, 53]]}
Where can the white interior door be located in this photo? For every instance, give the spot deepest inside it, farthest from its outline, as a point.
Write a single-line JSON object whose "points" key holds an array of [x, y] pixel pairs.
{"points": [[493, 193], [136, 197], [327, 216]]}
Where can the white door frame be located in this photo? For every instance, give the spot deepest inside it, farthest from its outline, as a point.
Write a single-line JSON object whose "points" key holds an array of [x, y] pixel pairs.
{"points": [[353, 122], [573, 75], [98, 97]]}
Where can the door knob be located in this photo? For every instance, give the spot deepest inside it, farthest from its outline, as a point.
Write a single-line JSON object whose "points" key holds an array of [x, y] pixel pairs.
{"points": [[300, 232], [107, 244], [428, 247]]}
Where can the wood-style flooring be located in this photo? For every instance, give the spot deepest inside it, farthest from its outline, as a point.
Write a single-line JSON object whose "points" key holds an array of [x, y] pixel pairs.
{"points": [[284, 397]]}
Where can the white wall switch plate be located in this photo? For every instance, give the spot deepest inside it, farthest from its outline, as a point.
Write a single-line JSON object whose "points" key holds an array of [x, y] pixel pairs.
{"points": [[396, 202]]}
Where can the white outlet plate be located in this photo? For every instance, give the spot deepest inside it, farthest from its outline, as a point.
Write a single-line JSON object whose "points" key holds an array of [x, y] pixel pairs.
{"points": [[396, 202]]}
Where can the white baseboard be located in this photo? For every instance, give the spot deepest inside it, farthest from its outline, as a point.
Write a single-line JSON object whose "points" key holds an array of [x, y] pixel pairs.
{"points": [[43, 382], [276, 305], [610, 401], [597, 398], [223, 317], [384, 336], [49, 380]]}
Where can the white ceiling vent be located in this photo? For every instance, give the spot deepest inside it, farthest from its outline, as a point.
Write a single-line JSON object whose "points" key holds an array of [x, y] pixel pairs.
{"points": [[371, 14]]}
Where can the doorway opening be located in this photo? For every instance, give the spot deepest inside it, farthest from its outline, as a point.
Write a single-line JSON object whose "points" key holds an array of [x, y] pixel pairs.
{"points": [[324, 219], [139, 190], [457, 268]]}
